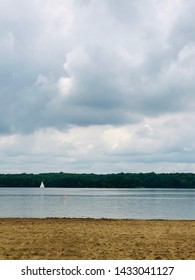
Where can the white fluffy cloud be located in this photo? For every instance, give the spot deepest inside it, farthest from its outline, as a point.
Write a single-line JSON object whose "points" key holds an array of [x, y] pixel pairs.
{"points": [[97, 85]]}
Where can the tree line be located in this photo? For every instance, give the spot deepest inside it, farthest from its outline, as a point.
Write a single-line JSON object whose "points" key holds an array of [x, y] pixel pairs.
{"points": [[119, 180]]}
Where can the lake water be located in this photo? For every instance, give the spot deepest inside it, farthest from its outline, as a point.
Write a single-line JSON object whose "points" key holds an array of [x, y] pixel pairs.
{"points": [[98, 203]]}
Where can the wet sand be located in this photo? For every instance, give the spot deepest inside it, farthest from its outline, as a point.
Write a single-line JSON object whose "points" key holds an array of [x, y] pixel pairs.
{"points": [[87, 239]]}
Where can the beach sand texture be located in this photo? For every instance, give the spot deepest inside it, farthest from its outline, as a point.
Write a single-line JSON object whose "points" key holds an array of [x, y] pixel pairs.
{"points": [[87, 239]]}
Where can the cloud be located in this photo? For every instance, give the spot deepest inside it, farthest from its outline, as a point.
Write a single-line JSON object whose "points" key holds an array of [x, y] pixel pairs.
{"points": [[155, 145], [122, 71], [121, 68]]}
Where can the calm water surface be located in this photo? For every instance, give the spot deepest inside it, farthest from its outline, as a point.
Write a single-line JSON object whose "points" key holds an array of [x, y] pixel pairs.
{"points": [[98, 203]]}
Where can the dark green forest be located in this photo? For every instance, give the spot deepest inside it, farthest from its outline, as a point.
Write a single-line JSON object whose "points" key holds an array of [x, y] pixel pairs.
{"points": [[119, 180]]}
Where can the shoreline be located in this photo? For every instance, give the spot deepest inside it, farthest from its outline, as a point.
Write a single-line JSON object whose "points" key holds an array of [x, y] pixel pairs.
{"points": [[101, 239], [95, 219]]}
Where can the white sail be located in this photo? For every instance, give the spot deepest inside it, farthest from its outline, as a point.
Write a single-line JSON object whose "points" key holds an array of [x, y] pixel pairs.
{"points": [[42, 185]]}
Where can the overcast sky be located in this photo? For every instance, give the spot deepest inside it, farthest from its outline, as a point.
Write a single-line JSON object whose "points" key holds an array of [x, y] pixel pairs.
{"points": [[97, 86]]}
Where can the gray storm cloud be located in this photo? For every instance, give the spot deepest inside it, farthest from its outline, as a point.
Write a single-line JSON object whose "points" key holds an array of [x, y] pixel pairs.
{"points": [[122, 61], [99, 65]]}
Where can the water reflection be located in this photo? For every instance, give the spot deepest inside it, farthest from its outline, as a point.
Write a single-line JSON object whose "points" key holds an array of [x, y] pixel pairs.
{"points": [[98, 203]]}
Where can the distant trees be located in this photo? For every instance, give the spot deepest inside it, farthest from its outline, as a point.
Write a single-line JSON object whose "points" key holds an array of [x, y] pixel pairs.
{"points": [[120, 180]]}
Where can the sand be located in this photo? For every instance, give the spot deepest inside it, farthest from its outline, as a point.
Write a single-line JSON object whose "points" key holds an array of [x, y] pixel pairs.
{"points": [[87, 239]]}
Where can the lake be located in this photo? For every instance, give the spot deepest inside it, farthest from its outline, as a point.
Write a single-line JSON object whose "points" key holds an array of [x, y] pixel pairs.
{"points": [[98, 203]]}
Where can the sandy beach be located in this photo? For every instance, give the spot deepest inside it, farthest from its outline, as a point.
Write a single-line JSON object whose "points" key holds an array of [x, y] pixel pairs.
{"points": [[85, 239]]}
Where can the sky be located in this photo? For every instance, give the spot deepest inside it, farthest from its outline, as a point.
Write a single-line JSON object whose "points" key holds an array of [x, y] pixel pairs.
{"points": [[97, 86]]}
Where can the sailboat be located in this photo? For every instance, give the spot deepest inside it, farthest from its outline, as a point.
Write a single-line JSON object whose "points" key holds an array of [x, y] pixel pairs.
{"points": [[42, 186]]}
